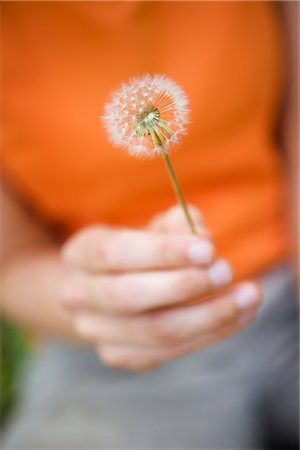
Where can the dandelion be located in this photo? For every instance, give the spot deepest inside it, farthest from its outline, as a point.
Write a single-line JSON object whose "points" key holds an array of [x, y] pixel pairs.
{"points": [[146, 116]]}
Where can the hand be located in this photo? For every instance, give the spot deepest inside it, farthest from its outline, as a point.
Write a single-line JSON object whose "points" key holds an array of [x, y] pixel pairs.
{"points": [[132, 293]]}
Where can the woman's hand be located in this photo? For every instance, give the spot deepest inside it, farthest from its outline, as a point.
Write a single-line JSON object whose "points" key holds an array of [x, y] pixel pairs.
{"points": [[141, 296]]}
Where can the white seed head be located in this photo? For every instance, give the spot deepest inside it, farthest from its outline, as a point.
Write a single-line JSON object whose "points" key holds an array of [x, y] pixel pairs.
{"points": [[146, 115]]}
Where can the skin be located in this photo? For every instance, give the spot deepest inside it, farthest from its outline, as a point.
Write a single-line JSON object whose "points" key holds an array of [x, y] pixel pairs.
{"points": [[132, 294]]}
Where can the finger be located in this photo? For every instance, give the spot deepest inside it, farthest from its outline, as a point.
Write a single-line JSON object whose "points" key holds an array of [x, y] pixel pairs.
{"points": [[145, 359], [100, 249], [134, 293], [171, 327], [175, 220]]}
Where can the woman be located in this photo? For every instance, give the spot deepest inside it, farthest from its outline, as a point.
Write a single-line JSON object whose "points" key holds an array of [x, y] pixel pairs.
{"points": [[134, 286]]}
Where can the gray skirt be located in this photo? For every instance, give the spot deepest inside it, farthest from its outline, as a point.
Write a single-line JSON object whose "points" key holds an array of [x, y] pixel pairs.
{"points": [[241, 394]]}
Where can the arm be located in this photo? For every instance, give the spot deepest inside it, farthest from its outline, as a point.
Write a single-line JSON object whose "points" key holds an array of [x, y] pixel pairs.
{"points": [[129, 293], [31, 271]]}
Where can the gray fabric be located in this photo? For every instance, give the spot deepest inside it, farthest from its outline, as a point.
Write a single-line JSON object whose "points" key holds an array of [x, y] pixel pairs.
{"points": [[232, 396]]}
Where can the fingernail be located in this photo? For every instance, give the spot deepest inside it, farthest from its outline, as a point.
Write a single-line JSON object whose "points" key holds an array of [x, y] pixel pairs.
{"points": [[201, 252], [220, 273], [246, 296]]}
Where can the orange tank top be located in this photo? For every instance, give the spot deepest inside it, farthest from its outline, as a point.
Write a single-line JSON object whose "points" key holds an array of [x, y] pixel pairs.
{"points": [[61, 61]]}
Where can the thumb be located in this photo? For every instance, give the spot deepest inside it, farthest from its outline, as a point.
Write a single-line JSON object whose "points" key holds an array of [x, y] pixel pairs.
{"points": [[173, 219]]}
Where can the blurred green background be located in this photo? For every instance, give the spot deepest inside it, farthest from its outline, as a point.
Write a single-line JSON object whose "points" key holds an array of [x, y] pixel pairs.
{"points": [[14, 353]]}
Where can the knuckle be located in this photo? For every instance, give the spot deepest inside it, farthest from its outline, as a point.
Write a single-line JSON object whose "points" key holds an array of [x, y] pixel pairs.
{"points": [[112, 250], [101, 252], [162, 330], [81, 246], [166, 252], [108, 253], [219, 320], [223, 317], [72, 292], [190, 283], [124, 296], [98, 254]]}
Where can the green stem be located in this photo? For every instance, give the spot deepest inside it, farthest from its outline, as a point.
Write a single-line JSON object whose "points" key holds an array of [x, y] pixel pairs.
{"points": [[178, 192]]}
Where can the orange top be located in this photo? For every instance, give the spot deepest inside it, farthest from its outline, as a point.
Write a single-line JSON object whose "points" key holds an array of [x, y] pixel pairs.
{"points": [[61, 61]]}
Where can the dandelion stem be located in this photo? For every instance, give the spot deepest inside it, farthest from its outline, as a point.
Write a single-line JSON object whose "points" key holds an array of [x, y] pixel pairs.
{"points": [[178, 191]]}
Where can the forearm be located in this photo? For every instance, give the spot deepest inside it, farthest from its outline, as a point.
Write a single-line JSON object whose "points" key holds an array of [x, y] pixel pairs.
{"points": [[29, 287]]}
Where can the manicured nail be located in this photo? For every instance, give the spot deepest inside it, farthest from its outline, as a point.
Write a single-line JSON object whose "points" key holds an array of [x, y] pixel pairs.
{"points": [[246, 296], [201, 252], [220, 273]]}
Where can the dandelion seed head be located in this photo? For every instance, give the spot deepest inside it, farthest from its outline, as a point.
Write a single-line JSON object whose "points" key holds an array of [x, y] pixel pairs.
{"points": [[146, 115]]}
